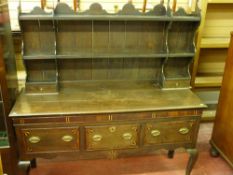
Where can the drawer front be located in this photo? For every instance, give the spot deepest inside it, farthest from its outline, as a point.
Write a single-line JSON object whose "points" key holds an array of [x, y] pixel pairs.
{"points": [[112, 137], [41, 88], [50, 139], [170, 132]]}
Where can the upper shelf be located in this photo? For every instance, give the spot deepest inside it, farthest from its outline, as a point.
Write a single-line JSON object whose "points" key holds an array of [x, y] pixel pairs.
{"points": [[96, 12], [109, 17]]}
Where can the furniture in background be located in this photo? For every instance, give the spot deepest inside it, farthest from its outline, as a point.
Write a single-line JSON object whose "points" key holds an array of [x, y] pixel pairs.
{"points": [[8, 91], [221, 140], [1, 170], [212, 43], [103, 85]]}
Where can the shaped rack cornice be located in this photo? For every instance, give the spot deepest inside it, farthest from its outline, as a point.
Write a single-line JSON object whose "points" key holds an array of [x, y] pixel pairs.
{"points": [[38, 10], [96, 12]]}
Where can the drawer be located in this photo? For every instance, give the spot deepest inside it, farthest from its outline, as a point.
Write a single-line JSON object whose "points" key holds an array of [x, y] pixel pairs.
{"points": [[170, 132], [55, 139], [41, 88], [112, 137]]}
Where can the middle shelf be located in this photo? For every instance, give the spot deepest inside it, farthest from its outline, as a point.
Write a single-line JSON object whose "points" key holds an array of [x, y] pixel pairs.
{"points": [[86, 55]]}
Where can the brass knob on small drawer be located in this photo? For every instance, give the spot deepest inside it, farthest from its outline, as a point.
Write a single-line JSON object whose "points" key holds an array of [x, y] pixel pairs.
{"points": [[155, 133], [183, 130], [127, 136], [67, 138], [112, 129], [34, 139], [97, 137]]}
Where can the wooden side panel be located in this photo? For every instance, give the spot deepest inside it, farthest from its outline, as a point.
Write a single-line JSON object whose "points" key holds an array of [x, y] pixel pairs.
{"points": [[223, 126]]}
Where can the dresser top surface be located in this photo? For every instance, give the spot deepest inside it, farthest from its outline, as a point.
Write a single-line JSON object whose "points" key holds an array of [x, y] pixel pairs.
{"points": [[110, 97]]}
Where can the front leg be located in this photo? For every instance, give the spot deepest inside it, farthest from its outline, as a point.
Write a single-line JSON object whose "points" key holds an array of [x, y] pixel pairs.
{"points": [[24, 167], [33, 163], [193, 154], [170, 154]]}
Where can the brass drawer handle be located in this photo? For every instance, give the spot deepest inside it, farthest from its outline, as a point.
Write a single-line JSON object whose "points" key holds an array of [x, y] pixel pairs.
{"points": [[67, 138], [183, 131], [155, 133], [127, 136], [34, 139], [112, 129], [97, 137]]}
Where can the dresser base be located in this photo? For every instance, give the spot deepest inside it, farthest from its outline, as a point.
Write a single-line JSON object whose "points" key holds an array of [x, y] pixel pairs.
{"points": [[106, 121]]}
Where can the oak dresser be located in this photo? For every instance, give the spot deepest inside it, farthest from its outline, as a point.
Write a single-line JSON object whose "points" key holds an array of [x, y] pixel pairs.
{"points": [[103, 85]]}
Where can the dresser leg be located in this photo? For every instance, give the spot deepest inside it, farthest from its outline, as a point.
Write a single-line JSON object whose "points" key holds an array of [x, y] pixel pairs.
{"points": [[33, 163], [170, 154], [24, 167], [193, 154]]}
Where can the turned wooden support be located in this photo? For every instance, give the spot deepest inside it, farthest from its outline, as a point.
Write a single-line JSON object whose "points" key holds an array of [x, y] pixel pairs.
{"points": [[193, 154], [33, 163]]}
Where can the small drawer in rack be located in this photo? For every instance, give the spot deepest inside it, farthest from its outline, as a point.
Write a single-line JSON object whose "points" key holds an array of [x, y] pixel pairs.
{"points": [[170, 132], [177, 83], [57, 139], [41, 88], [106, 137]]}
